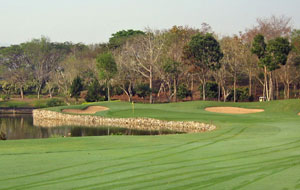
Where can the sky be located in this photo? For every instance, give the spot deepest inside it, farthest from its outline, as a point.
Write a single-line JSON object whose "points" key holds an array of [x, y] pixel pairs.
{"points": [[93, 21]]}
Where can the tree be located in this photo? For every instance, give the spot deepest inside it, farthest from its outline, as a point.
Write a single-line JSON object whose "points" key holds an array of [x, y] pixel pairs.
{"points": [[76, 88], [146, 51], [126, 76], [120, 37], [183, 92], [270, 27], [234, 52], [170, 72], [94, 93], [172, 67], [143, 90], [44, 56], [17, 70], [107, 69], [204, 53], [271, 56]]}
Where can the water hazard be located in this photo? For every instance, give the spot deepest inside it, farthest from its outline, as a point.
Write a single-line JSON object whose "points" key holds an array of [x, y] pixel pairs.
{"points": [[20, 126]]}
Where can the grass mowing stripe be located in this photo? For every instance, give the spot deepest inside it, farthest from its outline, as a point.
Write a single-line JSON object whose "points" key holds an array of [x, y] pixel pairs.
{"points": [[119, 171], [171, 176], [268, 143]]}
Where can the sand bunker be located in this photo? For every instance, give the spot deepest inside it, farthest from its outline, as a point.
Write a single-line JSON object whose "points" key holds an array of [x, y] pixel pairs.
{"points": [[299, 113], [88, 110], [232, 110]]}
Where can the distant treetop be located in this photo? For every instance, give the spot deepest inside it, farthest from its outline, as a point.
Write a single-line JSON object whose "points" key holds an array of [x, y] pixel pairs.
{"points": [[120, 37]]}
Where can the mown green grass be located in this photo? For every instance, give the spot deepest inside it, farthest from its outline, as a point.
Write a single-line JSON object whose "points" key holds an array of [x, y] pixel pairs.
{"points": [[252, 151], [29, 103]]}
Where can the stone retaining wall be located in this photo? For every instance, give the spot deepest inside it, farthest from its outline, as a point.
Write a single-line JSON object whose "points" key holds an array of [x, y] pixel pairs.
{"points": [[45, 118]]}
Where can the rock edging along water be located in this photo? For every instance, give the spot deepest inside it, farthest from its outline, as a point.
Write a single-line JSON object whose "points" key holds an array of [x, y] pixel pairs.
{"points": [[46, 118]]}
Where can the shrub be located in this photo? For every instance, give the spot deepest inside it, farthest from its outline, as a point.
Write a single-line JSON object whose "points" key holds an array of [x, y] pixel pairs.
{"points": [[242, 94], [5, 97], [183, 92], [76, 87], [117, 91], [211, 90], [95, 92], [143, 90], [54, 102]]}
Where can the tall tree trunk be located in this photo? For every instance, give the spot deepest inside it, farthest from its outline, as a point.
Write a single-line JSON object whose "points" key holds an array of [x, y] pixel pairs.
{"points": [[271, 86], [288, 90], [219, 91], [130, 92], [39, 91], [234, 88], [192, 86], [175, 89], [277, 88], [203, 89], [108, 90], [266, 83], [250, 82], [150, 84], [22, 92], [50, 92]]}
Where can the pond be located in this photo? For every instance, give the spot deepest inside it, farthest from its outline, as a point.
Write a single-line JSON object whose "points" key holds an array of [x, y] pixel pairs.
{"points": [[20, 126]]}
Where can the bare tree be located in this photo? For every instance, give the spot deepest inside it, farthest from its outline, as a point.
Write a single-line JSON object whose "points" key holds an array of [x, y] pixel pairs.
{"points": [[146, 50]]}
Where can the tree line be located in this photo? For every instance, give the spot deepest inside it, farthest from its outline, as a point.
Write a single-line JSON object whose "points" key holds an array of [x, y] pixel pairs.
{"points": [[176, 63]]}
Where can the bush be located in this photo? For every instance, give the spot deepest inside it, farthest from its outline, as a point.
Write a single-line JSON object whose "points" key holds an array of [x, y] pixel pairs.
{"points": [[242, 94], [183, 92], [95, 92], [211, 90], [117, 91], [143, 90], [5, 97], [54, 102], [76, 87]]}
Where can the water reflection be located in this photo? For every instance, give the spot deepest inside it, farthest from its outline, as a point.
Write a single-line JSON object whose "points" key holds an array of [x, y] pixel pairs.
{"points": [[20, 126]]}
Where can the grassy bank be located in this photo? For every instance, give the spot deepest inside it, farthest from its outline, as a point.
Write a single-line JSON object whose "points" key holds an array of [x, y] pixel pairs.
{"points": [[252, 151]]}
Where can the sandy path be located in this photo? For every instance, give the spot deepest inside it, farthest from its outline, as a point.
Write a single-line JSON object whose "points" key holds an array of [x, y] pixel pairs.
{"points": [[232, 110], [88, 110]]}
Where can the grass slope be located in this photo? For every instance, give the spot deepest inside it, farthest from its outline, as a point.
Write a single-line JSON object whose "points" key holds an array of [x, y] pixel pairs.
{"points": [[254, 151]]}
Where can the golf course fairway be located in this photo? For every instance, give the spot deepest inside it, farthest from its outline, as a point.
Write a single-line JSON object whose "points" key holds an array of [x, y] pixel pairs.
{"points": [[247, 151]]}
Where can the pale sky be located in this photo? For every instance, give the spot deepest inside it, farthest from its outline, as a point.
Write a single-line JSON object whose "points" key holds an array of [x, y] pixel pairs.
{"points": [[93, 21]]}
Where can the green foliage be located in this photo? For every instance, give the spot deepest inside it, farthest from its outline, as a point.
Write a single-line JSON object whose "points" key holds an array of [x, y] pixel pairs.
{"points": [[143, 90], [171, 67], [203, 50], [76, 87], [259, 46], [271, 55], [242, 94], [119, 38], [117, 91], [211, 90], [5, 97], [183, 92], [95, 92], [278, 50], [107, 66], [54, 102]]}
